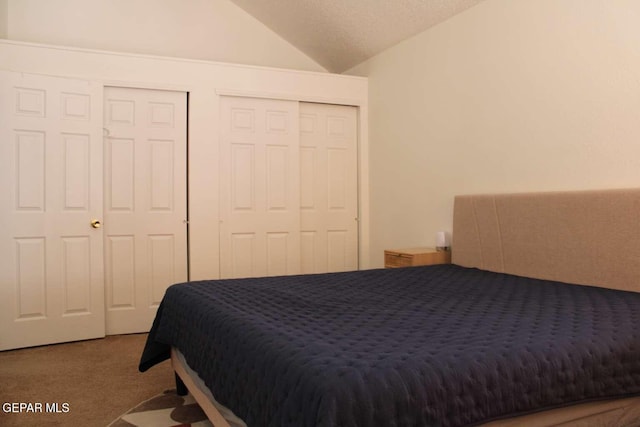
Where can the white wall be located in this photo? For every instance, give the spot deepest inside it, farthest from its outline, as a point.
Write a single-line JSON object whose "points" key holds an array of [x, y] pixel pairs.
{"points": [[215, 30], [508, 96], [4, 5]]}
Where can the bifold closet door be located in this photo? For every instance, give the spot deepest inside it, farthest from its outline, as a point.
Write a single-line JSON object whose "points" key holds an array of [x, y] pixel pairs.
{"points": [[51, 268], [259, 187], [328, 188], [145, 212]]}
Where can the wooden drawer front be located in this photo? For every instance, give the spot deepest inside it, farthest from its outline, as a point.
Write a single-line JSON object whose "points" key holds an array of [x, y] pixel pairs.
{"points": [[392, 260]]}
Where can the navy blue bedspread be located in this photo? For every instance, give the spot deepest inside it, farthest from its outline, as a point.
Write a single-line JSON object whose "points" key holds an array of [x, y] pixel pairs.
{"points": [[422, 346]]}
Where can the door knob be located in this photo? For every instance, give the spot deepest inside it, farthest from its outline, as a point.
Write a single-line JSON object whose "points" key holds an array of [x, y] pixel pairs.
{"points": [[96, 223]]}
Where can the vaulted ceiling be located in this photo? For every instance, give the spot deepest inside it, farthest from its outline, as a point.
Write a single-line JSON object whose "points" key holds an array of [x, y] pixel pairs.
{"points": [[339, 34]]}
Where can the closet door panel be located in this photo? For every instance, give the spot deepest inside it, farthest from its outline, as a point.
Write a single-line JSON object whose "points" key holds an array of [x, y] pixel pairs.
{"points": [[145, 202], [51, 277], [260, 187], [329, 187], [288, 188]]}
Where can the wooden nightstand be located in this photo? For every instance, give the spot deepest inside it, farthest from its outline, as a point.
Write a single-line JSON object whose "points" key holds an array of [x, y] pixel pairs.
{"points": [[408, 257]]}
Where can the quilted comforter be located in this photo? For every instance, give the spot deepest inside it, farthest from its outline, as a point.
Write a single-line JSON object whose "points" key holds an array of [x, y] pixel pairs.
{"points": [[422, 346]]}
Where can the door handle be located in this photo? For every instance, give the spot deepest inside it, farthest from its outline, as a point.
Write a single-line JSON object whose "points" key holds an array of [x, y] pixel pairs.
{"points": [[96, 223]]}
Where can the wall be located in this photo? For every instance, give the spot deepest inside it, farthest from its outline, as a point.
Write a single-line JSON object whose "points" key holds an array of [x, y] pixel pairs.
{"points": [[508, 96], [199, 29], [206, 82], [4, 5]]}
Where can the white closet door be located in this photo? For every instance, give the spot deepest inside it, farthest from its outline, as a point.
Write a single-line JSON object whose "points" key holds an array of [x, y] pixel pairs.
{"points": [[145, 216], [259, 187], [328, 187], [51, 287]]}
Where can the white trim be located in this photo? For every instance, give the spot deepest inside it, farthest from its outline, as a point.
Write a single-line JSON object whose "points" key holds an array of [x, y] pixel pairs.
{"points": [[172, 58], [146, 85]]}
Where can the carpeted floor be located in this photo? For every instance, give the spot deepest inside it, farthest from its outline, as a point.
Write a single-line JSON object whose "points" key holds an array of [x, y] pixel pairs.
{"points": [[98, 380]]}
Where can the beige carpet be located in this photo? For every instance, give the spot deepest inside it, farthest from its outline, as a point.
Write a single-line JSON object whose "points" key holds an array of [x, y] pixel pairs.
{"points": [[98, 379]]}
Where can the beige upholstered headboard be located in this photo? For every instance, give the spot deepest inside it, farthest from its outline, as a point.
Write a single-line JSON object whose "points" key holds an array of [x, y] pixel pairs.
{"points": [[582, 237]]}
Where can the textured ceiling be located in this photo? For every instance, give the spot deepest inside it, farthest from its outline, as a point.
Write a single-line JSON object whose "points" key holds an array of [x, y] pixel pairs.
{"points": [[339, 34]]}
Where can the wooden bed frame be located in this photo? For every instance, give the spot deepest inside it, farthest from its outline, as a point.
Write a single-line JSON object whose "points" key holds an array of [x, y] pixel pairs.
{"points": [[186, 381], [582, 237]]}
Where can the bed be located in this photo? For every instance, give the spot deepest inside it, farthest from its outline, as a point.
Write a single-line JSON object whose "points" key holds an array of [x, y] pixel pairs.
{"points": [[535, 322]]}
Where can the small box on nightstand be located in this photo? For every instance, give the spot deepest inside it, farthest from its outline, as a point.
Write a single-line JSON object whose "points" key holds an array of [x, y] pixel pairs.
{"points": [[409, 257]]}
